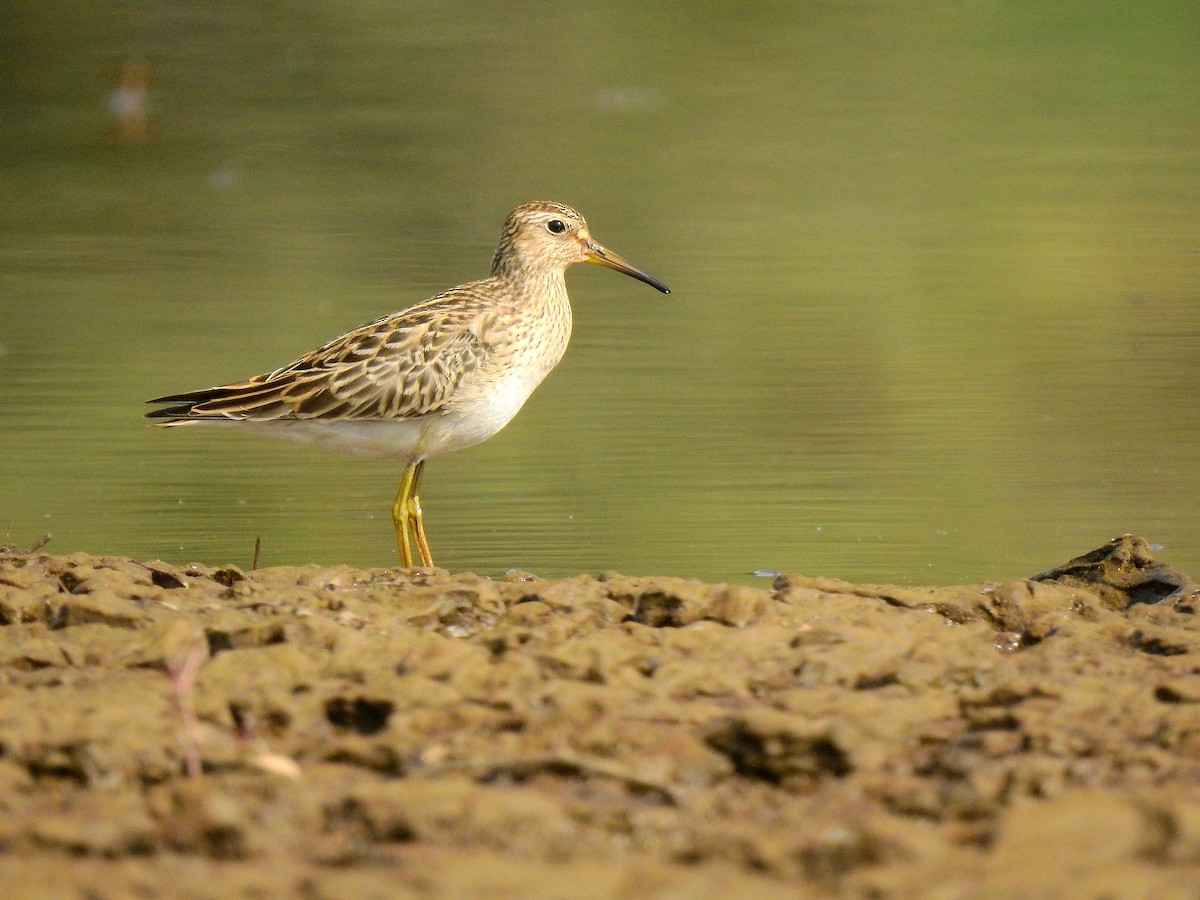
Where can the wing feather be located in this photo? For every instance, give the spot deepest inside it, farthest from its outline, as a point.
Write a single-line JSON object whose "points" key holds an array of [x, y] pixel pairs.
{"points": [[404, 365]]}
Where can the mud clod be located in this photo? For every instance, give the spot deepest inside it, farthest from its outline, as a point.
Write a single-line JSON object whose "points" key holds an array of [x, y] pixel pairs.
{"points": [[381, 733]]}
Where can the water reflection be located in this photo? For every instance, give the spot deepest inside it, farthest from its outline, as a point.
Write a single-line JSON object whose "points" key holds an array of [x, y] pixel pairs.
{"points": [[934, 280]]}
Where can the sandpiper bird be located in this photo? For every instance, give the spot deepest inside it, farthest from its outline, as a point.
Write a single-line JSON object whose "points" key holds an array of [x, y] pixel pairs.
{"points": [[439, 376]]}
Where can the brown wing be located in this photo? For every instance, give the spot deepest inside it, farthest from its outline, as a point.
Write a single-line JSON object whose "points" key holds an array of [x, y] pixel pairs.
{"points": [[401, 366]]}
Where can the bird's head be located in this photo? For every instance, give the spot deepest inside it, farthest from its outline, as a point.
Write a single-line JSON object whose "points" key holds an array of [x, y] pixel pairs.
{"points": [[542, 236]]}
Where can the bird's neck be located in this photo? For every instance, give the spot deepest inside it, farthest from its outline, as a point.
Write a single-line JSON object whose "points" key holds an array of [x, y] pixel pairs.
{"points": [[543, 291]]}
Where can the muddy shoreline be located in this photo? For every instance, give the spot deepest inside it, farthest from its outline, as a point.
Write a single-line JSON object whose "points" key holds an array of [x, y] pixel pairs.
{"points": [[331, 732]]}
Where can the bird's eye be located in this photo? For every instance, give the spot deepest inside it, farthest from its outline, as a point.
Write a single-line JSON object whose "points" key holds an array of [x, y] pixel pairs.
{"points": [[556, 226]]}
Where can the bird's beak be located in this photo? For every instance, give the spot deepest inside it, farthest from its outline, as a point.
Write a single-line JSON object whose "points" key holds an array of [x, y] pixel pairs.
{"points": [[594, 253]]}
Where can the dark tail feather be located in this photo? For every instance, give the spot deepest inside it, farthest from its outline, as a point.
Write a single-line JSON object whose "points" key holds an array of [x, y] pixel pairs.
{"points": [[229, 401], [186, 402], [171, 412]]}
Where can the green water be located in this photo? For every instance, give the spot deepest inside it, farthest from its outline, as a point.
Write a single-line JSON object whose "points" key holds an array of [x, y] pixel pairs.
{"points": [[935, 272]]}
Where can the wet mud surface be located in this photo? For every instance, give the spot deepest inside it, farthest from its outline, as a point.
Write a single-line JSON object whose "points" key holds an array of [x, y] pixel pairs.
{"points": [[209, 732]]}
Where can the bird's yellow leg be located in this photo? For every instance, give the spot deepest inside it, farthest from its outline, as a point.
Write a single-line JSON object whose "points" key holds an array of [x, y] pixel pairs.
{"points": [[400, 513], [415, 517]]}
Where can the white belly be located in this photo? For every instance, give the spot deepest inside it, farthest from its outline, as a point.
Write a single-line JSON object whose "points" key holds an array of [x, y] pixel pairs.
{"points": [[371, 437], [464, 425]]}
